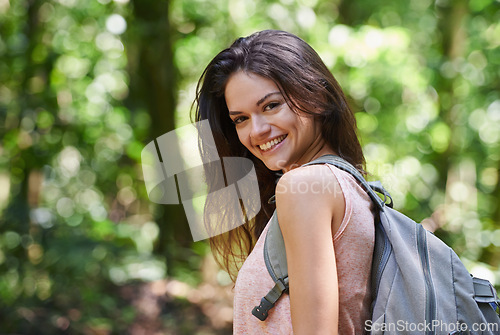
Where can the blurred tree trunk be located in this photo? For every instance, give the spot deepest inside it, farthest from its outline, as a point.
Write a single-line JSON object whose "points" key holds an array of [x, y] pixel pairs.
{"points": [[354, 13], [451, 25], [347, 12], [451, 20], [153, 86], [453, 37], [23, 160]]}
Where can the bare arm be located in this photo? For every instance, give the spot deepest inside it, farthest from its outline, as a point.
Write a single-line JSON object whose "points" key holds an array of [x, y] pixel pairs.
{"points": [[309, 215]]}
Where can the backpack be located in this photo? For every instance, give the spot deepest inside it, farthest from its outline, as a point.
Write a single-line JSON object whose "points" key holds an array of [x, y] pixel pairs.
{"points": [[419, 285]]}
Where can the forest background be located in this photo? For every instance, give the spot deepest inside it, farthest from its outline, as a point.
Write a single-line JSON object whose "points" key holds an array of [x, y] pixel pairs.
{"points": [[86, 84]]}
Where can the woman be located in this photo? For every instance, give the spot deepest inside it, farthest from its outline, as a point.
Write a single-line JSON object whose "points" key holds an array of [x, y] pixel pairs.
{"points": [[270, 98]]}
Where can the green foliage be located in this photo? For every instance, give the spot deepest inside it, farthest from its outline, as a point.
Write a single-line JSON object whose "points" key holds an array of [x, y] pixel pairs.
{"points": [[423, 83], [77, 231], [73, 229]]}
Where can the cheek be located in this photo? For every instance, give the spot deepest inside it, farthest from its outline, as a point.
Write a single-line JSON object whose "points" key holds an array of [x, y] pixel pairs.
{"points": [[308, 123], [244, 137]]}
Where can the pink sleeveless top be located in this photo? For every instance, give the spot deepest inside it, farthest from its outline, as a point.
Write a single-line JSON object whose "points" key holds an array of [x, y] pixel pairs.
{"points": [[353, 244]]}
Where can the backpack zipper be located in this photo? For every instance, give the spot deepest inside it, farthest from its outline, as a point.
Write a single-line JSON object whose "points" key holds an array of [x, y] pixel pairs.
{"points": [[430, 298]]}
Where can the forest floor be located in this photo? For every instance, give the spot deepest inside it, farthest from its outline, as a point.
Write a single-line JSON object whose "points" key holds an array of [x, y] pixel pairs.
{"points": [[171, 307]]}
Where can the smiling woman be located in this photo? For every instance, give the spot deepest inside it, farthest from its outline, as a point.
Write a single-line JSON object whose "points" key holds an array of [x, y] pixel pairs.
{"points": [[267, 126], [270, 98]]}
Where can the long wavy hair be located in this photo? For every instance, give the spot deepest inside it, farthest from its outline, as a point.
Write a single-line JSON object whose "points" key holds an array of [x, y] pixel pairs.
{"points": [[307, 86]]}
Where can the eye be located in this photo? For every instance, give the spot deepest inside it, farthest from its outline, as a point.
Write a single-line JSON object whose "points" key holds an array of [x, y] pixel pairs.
{"points": [[271, 105], [239, 119]]}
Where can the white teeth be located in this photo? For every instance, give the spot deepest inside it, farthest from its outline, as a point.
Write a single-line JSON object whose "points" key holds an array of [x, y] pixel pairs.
{"points": [[271, 143]]}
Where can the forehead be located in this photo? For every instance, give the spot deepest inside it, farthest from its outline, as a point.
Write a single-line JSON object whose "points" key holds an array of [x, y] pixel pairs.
{"points": [[247, 88]]}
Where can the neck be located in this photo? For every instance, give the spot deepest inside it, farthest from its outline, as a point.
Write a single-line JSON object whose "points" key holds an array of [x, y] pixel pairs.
{"points": [[317, 150]]}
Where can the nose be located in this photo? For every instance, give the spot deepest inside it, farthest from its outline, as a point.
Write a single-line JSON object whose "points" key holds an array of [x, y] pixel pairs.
{"points": [[260, 128]]}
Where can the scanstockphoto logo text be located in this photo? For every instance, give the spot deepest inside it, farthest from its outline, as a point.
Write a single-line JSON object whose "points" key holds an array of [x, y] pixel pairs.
{"points": [[435, 325]]}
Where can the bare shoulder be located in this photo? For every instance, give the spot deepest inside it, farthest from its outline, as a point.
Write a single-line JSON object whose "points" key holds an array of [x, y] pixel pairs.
{"points": [[308, 203], [309, 193], [308, 182]]}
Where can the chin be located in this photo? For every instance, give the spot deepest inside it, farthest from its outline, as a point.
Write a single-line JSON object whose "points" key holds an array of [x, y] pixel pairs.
{"points": [[273, 167], [275, 164]]}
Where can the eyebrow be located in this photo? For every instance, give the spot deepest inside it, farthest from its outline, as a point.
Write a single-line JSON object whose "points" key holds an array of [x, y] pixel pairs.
{"points": [[258, 102], [265, 97]]}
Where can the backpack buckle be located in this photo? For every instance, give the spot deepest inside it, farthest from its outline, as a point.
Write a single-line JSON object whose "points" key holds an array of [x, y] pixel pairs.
{"points": [[262, 310]]}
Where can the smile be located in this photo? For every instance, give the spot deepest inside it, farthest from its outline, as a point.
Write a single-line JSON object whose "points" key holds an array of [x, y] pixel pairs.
{"points": [[269, 145]]}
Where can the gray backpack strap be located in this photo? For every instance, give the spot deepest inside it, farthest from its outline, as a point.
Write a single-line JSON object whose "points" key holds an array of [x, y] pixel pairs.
{"points": [[346, 166], [377, 187], [274, 245], [275, 259], [382, 247]]}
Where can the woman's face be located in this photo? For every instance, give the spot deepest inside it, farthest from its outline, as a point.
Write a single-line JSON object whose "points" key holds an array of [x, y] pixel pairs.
{"points": [[279, 137]]}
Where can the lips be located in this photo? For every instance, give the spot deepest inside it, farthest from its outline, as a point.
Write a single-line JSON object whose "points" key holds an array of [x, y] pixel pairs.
{"points": [[271, 144]]}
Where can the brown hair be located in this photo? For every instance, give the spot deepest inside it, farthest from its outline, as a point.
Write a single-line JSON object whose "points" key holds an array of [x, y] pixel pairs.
{"points": [[306, 84]]}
